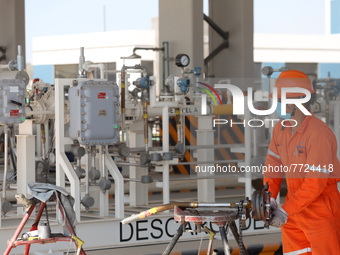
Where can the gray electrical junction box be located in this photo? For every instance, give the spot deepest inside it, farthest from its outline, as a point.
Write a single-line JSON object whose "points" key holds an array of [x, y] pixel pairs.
{"points": [[12, 101], [94, 112]]}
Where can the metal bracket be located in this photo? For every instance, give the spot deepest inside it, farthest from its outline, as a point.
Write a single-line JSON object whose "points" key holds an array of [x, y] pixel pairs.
{"points": [[223, 34], [3, 50]]}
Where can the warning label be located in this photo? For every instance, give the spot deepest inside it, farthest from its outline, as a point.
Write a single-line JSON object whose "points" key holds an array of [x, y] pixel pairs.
{"points": [[14, 113], [101, 95]]}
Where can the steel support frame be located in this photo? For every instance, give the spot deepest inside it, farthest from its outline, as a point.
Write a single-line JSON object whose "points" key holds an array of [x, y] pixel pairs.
{"points": [[224, 44]]}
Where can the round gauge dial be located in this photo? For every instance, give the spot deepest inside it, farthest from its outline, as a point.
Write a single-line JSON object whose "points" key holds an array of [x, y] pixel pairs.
{"points": [[182, 60]]}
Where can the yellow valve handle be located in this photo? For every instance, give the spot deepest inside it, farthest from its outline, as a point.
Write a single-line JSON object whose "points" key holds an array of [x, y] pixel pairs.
{"points": [[78, 240], [211, 233], [31, 238]]}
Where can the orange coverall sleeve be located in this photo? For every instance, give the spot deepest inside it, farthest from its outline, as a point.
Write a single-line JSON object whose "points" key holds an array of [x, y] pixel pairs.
{"points": [[274, 179], [319, 159]]}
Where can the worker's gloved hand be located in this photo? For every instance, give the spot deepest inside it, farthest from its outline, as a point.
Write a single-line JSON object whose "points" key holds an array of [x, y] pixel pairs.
{"points": [[273, 204], [279, 219]]}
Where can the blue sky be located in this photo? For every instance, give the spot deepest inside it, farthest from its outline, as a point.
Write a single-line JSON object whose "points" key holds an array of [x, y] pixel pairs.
{"points": [[289, 16], [51, 17]]}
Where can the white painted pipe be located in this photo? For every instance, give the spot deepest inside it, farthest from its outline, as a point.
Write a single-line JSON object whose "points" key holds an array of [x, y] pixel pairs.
{"points": [[5, 163]]}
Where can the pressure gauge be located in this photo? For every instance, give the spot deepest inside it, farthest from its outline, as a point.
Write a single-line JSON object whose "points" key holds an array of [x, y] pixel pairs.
{"points": [[182, 60]]}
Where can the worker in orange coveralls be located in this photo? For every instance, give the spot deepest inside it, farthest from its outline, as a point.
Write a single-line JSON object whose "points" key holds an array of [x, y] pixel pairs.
{"points": [[307, 154]]}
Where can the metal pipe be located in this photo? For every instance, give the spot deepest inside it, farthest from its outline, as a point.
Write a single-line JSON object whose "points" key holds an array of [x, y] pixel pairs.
{"points": [[167, 60], [122, 92], [103, 162], [165, 126], [122, 105], [5, 66], [4, 183], [146, 127], [158, 209], [247, 154], [207, 162], [81, 69], [101, 68], [178, 179], [93, 154], [183, 130], [20, 59], [147, 48], [174, 240], [226, 246], [183, 205], [166, 46], [163, 72], [178, 125], [29, 112], [43, 141], [211, 241], [191, 147], [187, 163], [230, 205], [87, 170]]}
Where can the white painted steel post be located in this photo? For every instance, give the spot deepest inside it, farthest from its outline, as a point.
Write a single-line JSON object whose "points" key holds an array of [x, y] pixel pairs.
{"points": [[25, 165], [165, 144], [63, 165], [165, 128], [205, 136], [166, 183], [47, 138], [4, 183], [247, 144], [38, 140], [119, 185], [138, 190]]}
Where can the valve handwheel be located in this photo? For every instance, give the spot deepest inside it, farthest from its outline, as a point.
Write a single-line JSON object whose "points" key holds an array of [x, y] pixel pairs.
{"points": [[260, 204]]}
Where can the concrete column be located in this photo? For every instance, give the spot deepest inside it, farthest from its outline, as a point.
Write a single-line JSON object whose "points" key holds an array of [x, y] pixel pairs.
{"points": [[181, 24], [12, 26], [237, 18]]}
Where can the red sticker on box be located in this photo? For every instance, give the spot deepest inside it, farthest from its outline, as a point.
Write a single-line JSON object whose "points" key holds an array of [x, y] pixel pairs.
{"points": [[101, 95], [14, 113]]}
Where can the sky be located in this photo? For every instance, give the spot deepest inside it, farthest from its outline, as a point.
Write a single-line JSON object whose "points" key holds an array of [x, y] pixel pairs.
{"points": [[51, 17], [289, 16]]}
